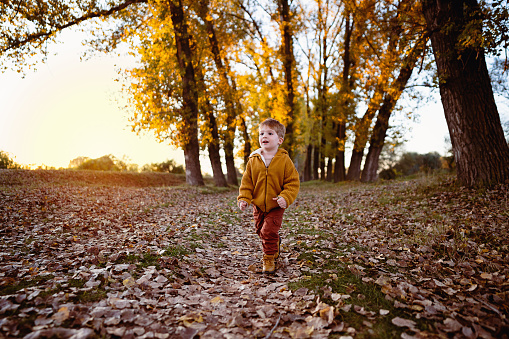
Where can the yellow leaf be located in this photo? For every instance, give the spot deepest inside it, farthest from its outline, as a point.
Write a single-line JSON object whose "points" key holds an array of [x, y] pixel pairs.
{"points": [[416, 307], [189, 319], [129, 282], [61, 315], [217, 300], [386, 289]]}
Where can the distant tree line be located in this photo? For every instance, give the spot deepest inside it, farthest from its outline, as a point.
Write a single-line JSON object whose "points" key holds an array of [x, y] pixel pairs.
{"points": [[111, 163]]}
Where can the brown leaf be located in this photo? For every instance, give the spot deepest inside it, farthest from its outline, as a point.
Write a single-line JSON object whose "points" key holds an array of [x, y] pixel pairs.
{"points": [[400, 322], [451, 325]]}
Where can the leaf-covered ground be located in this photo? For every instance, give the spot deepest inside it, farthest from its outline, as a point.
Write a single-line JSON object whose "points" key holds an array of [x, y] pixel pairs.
{"points": [[81, 258]]}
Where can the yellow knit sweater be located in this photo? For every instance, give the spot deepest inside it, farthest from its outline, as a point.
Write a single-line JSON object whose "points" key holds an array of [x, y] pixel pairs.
{"points": [[260, 184]]}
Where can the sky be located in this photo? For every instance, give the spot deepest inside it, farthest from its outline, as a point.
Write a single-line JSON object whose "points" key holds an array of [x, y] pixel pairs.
{"points": [[70, 107]]}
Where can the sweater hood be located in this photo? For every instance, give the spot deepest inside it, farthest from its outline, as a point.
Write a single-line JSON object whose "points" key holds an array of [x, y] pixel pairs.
{"points": [[258, 152]]}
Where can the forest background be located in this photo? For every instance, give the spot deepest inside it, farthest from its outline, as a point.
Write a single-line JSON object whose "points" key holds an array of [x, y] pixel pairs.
{"points": [[333, 72]]}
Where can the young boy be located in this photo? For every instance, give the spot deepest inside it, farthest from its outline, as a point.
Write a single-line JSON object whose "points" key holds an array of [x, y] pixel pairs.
{"points": [[271, 183]]}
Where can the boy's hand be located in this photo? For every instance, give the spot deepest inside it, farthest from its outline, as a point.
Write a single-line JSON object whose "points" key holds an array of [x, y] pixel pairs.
{"points": [[242, 205], [280, 201]]}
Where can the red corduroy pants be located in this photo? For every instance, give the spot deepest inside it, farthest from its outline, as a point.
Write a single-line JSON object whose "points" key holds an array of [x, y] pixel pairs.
{"points": [[267, 227]]}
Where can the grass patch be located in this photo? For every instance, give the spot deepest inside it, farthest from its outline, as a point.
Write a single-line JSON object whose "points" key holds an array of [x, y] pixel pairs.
{"points": [[336, 278], [207, 189], [92, 295], [15, 287], [141, 261], [148, 259], [177, 251]]}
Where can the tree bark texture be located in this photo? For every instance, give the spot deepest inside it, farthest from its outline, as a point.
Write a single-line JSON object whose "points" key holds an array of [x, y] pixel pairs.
{"points": [[191, 144], [322, 155], [340, 131], [354, 170], [339, 166], [213, 145], [369, 173], [329, 175], [480, 150], [308, 163], [362, 134], [227, 93], [214, 156], [247, 141], [316, 161], [288, 64]]}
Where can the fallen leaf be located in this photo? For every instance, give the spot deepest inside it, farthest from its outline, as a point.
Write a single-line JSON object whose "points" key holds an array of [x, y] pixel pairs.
{"points": [[487, 276], [61, 316], [452, 325], [401, 322], [129, 282], [216, 300]]}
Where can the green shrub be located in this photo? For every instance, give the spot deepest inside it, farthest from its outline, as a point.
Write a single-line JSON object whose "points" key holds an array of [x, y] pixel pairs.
{"points": [[169, 166], [411, 163]]}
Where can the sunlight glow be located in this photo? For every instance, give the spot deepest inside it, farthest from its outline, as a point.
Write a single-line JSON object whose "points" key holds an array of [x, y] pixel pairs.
{"points": [[70, 108]]}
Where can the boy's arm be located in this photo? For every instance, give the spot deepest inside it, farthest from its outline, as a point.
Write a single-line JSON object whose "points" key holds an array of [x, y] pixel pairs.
{"points": [[291, 183], [246, 185]]}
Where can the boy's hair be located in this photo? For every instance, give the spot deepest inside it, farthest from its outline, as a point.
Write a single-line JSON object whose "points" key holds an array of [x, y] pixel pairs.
{"points": [[278, 127]]}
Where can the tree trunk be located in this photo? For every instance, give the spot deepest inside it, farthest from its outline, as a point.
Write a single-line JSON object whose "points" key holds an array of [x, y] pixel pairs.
{"points": [[480, 150], [329, 176], [323, 147], [369, 173], [230, 163], [346, 90], [227, 95], [339, 167], [191, 144], [288, 64], [362, 134], [354, 170], [316, 162], [363, 126], [213, 145], [247, 141], [308, 163], [214, 156]]}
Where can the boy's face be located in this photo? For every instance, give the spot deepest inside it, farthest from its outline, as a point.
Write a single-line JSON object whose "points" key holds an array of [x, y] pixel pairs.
{"points": [[269, 140]]}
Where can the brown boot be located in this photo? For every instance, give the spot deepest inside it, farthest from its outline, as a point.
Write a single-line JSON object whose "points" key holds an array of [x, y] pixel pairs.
{"points": [[269, 263]]}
